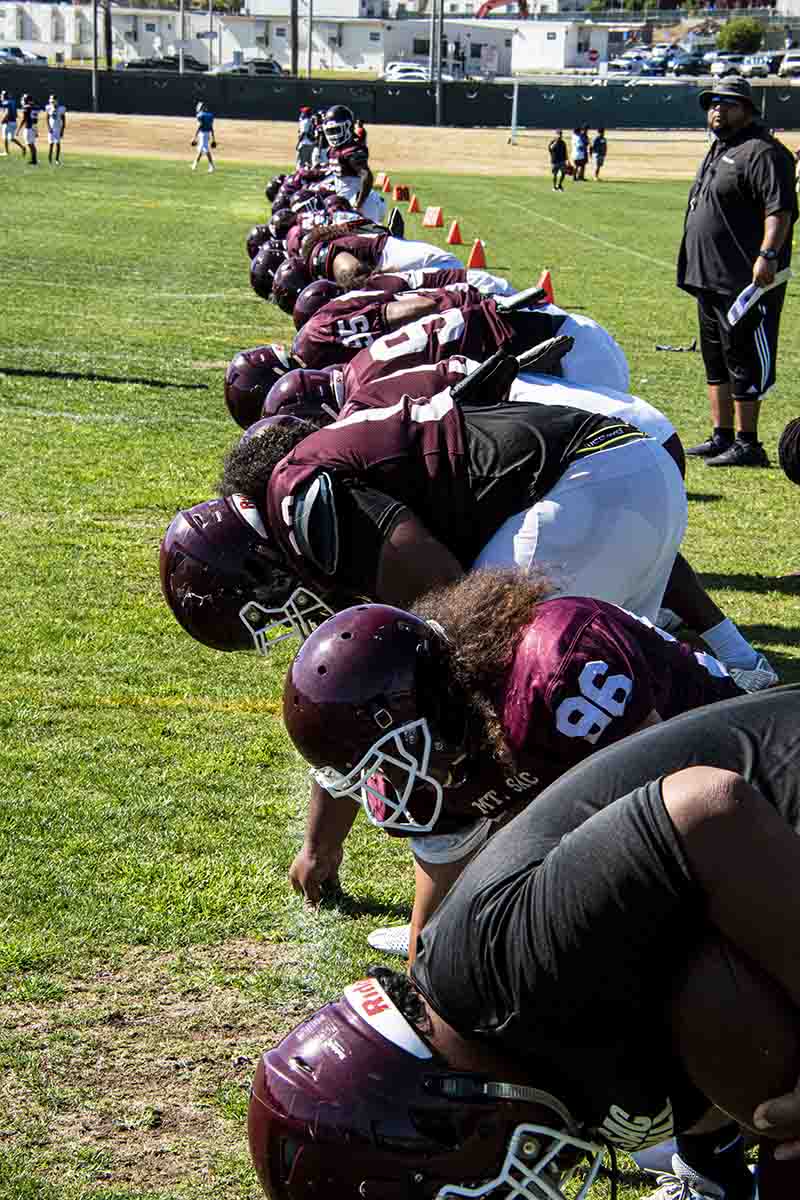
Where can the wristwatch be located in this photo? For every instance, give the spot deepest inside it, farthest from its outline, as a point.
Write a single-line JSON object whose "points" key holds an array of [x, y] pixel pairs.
{"points": [[768, 254]]}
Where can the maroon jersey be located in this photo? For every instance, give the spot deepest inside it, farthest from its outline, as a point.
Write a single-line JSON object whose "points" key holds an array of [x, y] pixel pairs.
{"points": [[344, 327], [366, 245], [461, 471], [588, 673], [585, 674], [472, 331], [350, 160]]}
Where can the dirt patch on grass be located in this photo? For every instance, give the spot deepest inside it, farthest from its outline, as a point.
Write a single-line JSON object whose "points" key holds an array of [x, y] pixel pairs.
{"points": [[140, 1075], [396, 149]]}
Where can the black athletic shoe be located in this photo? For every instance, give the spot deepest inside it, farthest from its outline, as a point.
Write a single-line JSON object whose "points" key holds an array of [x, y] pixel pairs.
{"points": [[740, 454], [709, 448]]}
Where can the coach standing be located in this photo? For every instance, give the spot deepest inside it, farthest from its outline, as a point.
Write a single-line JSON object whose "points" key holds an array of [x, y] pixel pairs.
{"points": [[737, 231]]}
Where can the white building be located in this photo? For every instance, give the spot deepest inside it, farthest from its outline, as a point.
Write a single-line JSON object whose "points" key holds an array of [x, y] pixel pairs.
{"points": [[342, 40], [556, 45]]}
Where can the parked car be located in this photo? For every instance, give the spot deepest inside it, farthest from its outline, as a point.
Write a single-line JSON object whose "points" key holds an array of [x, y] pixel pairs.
{"points": [[688, 64], [408, 73], [790, 65], [625, 66], [755, 66], [168, 63], [255, 66], [653, 66], [726, 64], [23, 58]]}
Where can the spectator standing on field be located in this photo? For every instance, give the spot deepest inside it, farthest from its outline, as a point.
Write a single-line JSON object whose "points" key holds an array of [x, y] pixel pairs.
{"points": [[9, 123], [599, 150], [557, 149], [56, 126], [737, 231], [580, 152], [28, 121], [305, 137], [360, 132]]}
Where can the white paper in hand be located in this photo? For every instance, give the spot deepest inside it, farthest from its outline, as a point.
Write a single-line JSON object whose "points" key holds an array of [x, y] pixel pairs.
{"points": [[753, 293]]}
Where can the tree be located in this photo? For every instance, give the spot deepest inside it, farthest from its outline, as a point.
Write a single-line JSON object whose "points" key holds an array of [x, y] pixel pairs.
{"points": [[742, 35]]}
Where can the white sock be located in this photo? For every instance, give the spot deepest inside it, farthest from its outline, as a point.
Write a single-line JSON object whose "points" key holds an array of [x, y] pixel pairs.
{"points": [[729, 646]]}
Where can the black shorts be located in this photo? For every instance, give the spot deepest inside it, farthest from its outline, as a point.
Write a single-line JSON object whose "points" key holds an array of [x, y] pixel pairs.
{"points": [[744, 355]]}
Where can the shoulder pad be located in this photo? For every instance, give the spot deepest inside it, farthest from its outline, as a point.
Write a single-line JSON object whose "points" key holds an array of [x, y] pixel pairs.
{"points": [[314, 523]]}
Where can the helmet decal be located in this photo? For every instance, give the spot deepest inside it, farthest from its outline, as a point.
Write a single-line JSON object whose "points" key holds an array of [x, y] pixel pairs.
{"points": [[373, 1005], [248, 511]]}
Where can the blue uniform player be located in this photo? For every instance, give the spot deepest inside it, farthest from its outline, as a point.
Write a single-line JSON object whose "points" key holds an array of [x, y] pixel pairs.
{"points": [[204, 136], [8, 121]]}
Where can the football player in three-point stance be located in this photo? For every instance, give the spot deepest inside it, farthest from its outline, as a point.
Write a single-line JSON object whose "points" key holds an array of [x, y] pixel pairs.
{"points": [[530, 1034]]}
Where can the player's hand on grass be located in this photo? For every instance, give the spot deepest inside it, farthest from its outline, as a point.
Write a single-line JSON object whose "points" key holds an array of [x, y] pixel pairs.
{"points": [[314, 871], [779, 1118]]}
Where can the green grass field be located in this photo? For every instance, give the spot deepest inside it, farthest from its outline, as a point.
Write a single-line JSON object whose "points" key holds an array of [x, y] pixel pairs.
{"points": [[151, 804]]}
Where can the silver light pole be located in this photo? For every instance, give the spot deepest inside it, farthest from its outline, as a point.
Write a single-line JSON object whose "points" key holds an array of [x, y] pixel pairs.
{"points": [[94, 56], [310, 35], [181, 35], [210, 32]]}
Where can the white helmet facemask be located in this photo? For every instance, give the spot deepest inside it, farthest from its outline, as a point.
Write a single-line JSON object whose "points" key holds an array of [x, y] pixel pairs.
{"points": [[297, 618], [383, 782]]}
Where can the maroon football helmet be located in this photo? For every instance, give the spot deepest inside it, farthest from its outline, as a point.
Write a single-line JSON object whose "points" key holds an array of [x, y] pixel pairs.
{"points": [[226, 583], [248, 379], [304, 394], [281, 222], [256, 238], [312, 298], [274, 186], [290, 279], [369, 704], [353, 1104], [264, 266]]}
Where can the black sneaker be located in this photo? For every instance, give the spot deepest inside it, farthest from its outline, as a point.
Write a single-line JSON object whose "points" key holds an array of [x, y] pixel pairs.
{"points": [[740, 454], [710, 447]]}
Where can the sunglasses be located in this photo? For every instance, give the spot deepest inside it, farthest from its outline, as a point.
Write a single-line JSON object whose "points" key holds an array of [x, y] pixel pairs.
{"points": [[723, 102]]}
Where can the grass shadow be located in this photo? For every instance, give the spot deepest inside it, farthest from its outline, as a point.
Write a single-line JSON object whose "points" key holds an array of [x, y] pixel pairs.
{"points": [[94, 377]]}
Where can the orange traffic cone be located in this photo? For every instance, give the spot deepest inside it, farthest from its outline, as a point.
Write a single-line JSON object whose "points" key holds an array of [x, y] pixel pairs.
{"points": [[413, 204], [454, 236], [387, 185], [546, 283], [476, 256]]}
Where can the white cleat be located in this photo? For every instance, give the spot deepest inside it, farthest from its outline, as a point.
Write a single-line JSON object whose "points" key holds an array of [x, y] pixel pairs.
{"points": [[392, 939], [761, 676]]}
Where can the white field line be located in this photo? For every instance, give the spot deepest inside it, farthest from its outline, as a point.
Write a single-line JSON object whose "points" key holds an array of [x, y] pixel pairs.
{"points": [[577, 232]]}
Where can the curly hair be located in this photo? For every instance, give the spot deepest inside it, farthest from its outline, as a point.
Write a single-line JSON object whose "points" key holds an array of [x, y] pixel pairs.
{"points": [[328, 233], [484, 616], [789, 451], [248, 465], [404, 995]]}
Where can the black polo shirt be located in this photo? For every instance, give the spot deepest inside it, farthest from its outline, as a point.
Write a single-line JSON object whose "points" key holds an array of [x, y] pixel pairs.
{"points": [[741, 181]]}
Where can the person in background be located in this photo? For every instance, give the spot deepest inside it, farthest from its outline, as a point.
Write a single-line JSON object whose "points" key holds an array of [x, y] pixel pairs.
{"points": [[557, 149], [9, 123], [56, 126], [359, 131], [737, 232], [580, 152], [204, 136], [305, 137], [28, 118], [599, 150]]}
